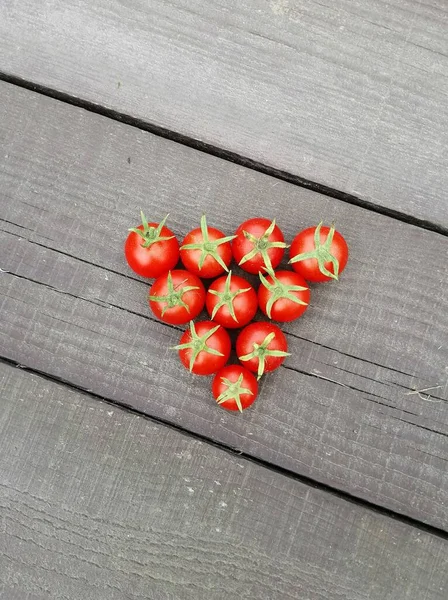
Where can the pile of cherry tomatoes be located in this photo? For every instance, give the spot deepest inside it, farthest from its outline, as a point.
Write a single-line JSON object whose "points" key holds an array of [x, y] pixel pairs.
{"points": [[178, 295]]}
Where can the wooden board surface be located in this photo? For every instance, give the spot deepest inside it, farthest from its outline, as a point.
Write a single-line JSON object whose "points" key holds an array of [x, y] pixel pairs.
{"points": [[348, 94], [343, 411], [100, 503]]}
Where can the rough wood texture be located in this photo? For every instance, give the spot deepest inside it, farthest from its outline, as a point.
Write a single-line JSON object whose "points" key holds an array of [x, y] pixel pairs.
{"points": [[348, 94], [342, 411], [99, 503]]}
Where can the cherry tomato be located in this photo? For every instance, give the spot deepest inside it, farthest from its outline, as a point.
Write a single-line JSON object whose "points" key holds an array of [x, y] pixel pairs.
{"points": [[261, 347], [283, 295], [206, 251], [231, 301], [204, 347], [259, 245], [319, 253], [177, 297], [151, 249], [234, 387]]}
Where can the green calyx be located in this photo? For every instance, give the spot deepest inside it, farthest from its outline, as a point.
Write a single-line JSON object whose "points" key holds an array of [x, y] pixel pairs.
{"points": [[174, 295], [151, 235], [261, 351], [261, 246], [234, 391], [226, 297], [208, 247], [321, 253], [280, 290], [198, 344]]}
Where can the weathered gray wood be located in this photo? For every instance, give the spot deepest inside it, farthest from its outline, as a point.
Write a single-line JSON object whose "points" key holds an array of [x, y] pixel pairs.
{"points": [[8, 593], [341, 412], [99, 503], [352, 95]]}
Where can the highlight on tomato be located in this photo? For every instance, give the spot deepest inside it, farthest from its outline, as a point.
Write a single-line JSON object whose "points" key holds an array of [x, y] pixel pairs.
{"points": [[261, 347], [259, 245], [151, 249], [206, 251], [283, 295], [234, 388], [204, 347], [177, 297], [231, 301], [319, 253]]}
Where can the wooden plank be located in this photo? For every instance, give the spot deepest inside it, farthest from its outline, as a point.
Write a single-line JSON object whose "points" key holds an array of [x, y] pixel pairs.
{"points": [[342, 411], [100, 503], [351, 95]]}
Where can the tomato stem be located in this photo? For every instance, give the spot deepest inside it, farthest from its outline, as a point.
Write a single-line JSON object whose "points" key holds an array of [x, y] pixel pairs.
{"points": [[261, 246], [321, 253], [278, 290], [198, 344], [208, 247], [233, 392], [226, 297], [262, 351], [151, 234], [174, 295]]}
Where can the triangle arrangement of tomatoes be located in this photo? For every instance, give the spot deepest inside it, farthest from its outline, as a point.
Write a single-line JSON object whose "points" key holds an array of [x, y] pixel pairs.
{"points": [[197, 274]]}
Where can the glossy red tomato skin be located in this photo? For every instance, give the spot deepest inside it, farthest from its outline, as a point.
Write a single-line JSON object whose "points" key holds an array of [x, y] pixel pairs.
{"points": [[232, 372], [205, 363], [211, 268], [195, 299], [242, 246], [156, 260], [256, 333], [245, 304], [308, 268], [284, 310]]}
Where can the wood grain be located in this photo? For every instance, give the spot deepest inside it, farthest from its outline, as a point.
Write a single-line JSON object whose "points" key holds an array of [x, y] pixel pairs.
{"points": [[351, 95], [99, 503], [343, 410]]}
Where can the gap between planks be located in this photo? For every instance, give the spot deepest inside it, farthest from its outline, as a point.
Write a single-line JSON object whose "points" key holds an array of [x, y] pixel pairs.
{"points": [[436, 531], [221, 153]]}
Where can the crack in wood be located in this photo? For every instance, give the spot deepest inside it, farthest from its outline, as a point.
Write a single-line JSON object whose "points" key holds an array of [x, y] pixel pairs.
{"points": [[353, 373], [370, 362], [420, 426], [77, 258], [351, 387]]}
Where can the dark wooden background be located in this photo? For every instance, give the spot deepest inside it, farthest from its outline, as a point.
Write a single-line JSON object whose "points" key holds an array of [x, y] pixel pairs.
{"points": [[119, 477]]}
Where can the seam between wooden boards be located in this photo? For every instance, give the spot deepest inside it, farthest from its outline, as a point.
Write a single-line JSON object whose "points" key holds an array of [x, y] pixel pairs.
{"points": [[436, 531], [221, 153]]}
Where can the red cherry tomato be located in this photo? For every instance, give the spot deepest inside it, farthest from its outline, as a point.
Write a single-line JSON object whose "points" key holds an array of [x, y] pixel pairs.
{"points": [[204, 347], [151, 249], [234, 387], [261, 347], [319, 253], [177, 297], [283, 295], [206, 251], [259, 245], [231, 301]]}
